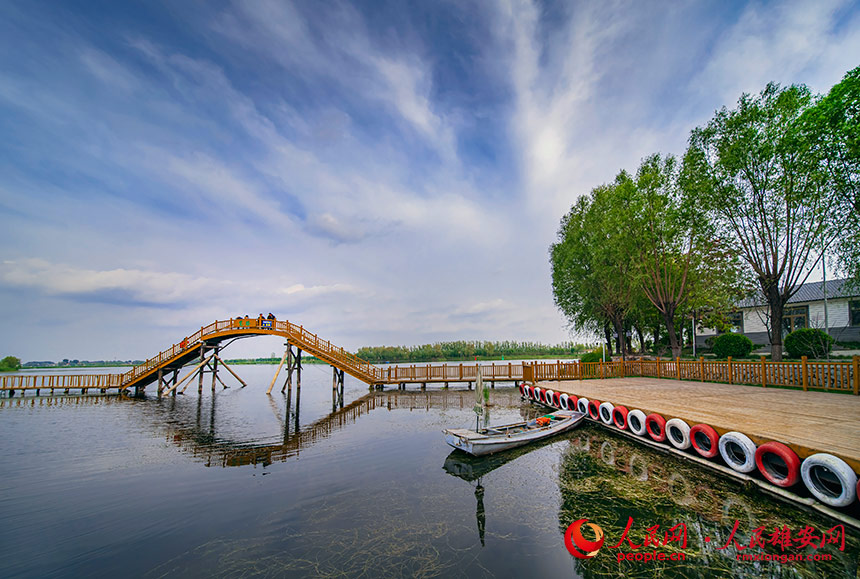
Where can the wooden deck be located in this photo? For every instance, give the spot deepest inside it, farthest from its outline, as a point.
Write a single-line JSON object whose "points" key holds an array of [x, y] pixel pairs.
{"points": [[808, 422]]}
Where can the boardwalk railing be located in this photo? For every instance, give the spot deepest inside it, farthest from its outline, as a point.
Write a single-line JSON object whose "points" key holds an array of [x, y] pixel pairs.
{"points": [[453, 373], [64, 382], [829, 376]]}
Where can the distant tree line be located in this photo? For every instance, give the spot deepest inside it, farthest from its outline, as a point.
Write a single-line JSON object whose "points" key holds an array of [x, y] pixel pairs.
{"points": [[464, 350], [763, 194], [10, 364]]}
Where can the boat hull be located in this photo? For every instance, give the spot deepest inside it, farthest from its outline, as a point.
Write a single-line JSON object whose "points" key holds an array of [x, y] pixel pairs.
{"points": [[480, 444]]}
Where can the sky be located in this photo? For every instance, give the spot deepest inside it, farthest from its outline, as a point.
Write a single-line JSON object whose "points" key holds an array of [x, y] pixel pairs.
{"points": [[380, 172]]}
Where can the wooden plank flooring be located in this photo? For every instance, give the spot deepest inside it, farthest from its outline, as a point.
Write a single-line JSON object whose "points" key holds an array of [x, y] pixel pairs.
{"points": [[809, 422]]}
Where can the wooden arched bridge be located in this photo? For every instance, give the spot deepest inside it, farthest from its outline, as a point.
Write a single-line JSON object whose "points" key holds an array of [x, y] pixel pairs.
{"points": [[202, 348]]}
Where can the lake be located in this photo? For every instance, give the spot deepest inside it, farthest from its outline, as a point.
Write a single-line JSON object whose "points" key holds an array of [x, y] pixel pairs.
{"points": [[244, 485]]}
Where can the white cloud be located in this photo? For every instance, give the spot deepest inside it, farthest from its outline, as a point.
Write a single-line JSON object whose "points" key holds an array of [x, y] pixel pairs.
{"points": [[787, 42]]}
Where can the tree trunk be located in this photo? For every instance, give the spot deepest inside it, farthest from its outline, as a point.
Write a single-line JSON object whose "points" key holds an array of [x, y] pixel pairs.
{"points": [[641, 340], [607, 333], [673, 337], [776, 305], [618, 324]]}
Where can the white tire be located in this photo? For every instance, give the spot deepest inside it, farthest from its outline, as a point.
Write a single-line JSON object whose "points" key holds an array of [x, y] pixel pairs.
{"points": [[547, 395], [636, 422], [563, 400], [582, 405], [738, 451], [605, 412], [829, 479], [678, 433]]}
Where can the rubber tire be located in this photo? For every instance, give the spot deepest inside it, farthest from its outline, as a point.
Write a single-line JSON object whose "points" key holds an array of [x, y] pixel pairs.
{"points": [[620, 412], [562, 401], [786, 456], [571, 402], [605, 412], [678, 426], [656, 420], [538, 393], [744, 444], [594, 410], [633, 417], [709, 433], [832, 465], [582, 405], [547, 397], [556, 398]]}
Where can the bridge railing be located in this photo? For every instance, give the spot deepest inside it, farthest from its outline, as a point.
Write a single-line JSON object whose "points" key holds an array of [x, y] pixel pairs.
{"points": [[313, 343]]}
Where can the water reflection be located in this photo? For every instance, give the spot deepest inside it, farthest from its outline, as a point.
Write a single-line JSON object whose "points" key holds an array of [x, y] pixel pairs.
{"points": [[608, 479], [204, 443]]}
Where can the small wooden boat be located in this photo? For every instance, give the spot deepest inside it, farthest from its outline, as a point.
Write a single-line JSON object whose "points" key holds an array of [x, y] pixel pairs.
{"points": [[498, 438]]}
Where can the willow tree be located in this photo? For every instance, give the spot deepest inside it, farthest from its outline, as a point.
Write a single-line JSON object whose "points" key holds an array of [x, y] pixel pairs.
{"points": [[592, 262], [831, 131], [764, 188], [684, 264]]}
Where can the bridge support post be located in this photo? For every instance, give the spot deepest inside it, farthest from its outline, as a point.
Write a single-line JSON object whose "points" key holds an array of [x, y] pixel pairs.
{"points": [[336, 388], [215, 369], [298, 364], [288, 383], [160, 382], [200, 371]]}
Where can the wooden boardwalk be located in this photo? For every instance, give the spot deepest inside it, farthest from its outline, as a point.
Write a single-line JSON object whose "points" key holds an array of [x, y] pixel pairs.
{"points": [[808, 422]]}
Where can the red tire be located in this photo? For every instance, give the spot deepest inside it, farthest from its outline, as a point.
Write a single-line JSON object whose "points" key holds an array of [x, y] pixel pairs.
{"points": [[656, 427], [571, 402], [594, 409], [705, 440], [778, 464], [556, 398], [619, 416], [522, 388]]}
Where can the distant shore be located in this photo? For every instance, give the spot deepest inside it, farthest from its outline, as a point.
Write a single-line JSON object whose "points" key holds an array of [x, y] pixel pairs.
{"points": [[305, 359]]}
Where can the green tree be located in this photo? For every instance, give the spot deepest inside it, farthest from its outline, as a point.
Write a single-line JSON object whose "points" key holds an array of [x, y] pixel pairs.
{"points": [[683, 264], [762, 187], [9, 364], [831, 130], [592, 262]]}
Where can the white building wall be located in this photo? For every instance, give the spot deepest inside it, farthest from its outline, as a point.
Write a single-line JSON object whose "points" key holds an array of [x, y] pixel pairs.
{"points": [[754, 320], [837, 314]]}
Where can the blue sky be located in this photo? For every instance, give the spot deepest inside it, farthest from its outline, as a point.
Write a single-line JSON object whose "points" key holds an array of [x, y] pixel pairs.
{"points": [[381, 172]]}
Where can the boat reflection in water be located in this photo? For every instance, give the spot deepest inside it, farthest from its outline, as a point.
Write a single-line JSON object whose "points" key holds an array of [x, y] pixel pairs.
{"points": [[609, 479], [473, 468]]}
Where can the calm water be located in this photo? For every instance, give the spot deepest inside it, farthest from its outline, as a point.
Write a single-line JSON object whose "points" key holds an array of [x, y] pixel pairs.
{"points": [[243, 485]]}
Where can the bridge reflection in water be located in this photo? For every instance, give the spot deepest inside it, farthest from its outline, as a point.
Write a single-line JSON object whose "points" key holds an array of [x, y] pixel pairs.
{"points": [[203, 443]]}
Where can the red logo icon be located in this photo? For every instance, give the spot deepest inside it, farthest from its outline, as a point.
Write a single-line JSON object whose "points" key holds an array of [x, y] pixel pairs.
{"points": [[579, 546]]}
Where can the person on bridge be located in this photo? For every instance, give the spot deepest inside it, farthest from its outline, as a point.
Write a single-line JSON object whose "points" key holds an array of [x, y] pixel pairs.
{"points": [[270, 316]]}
